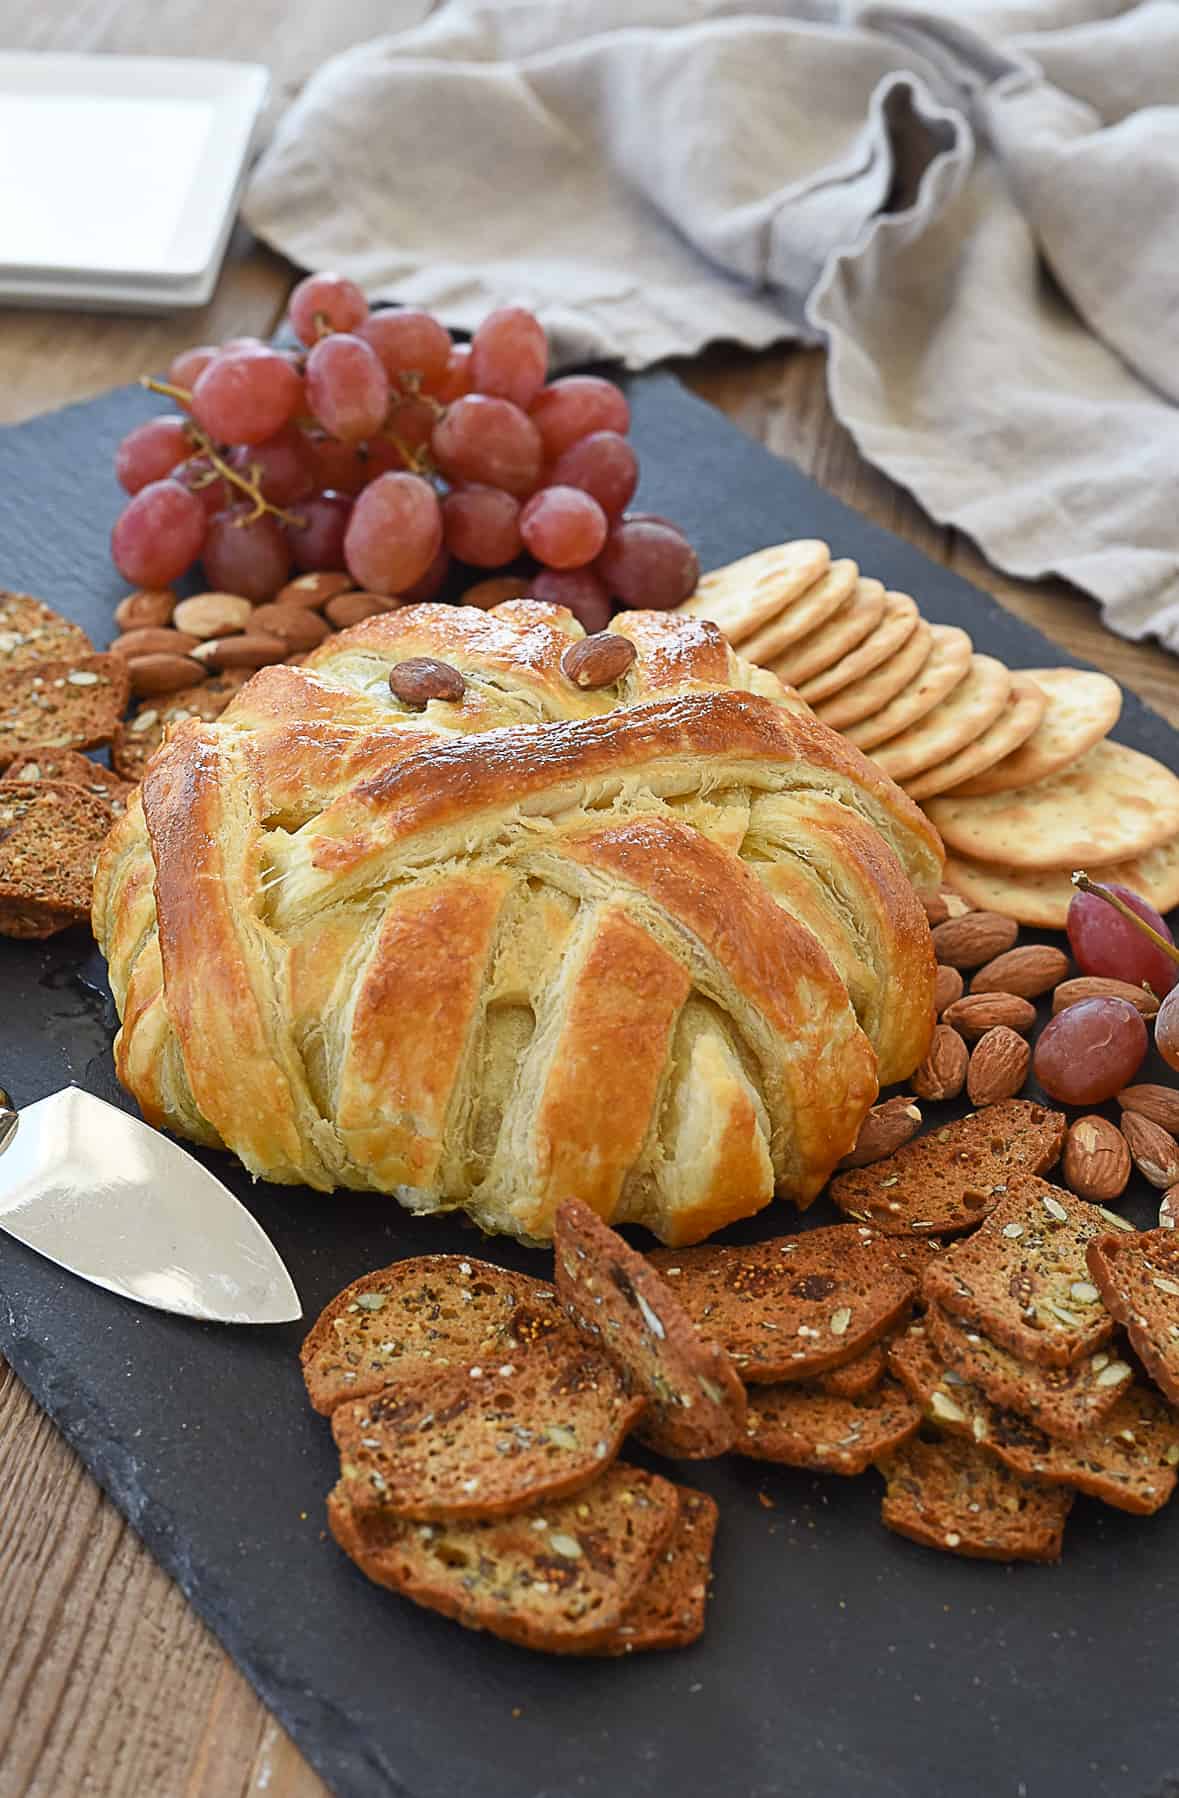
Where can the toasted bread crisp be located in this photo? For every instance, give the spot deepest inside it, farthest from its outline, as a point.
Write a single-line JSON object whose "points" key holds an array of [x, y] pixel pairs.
{"points": [[61, 705], [32, 632], [796, 1306], [50, 835], [559, 1577], [136, 741], [945, 1398], [69, 768], [1128, 1460], [951, 1495], [949, 1179], [695, 1399], [1138, 1278], [1022, 1279], [856, 1377], [668, 1609], [1062, 1401], [801, 1427], [485, 1440], [422, 1316]]}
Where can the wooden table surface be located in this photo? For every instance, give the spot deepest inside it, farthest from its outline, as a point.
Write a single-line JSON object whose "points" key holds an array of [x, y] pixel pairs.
{"points": [[109, 1685]]}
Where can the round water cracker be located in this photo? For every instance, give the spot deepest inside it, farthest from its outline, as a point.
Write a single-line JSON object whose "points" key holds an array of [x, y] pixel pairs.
{"points": [[833, 640], [946, 665], [1113, 804], [864, 697], [1024, 707], [744, 595], [820, 602], [1040, 898], [898, 622], [1083, 707], [960, 719]]}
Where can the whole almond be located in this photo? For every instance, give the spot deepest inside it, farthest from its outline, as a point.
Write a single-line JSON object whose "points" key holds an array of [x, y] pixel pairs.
{"points": [[153, 676], [1155, 1151], [149, 609], [212, 615], [944, 904], [1158, 1103], [977, 1013], [974, 938], [1027, 971], [1096, 1160], [297, 626], [313, 590], [241, 652], [347, 609], [1169, 1208], [598, 661], [998, 1067], [421, 678], [1092, 986], [947, 987], [942, 1074], [886, 1128], [153, 640]]}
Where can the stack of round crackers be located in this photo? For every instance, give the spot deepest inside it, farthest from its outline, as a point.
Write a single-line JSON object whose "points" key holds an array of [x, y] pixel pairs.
{"points": [[1012, 765]]}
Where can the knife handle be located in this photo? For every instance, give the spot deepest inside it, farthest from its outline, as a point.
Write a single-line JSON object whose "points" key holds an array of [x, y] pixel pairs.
{"points": [[8, 1122]]}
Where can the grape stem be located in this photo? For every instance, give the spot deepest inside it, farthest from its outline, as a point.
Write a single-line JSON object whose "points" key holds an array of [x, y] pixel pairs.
{"points": [[202, 441], [1083, 883]]}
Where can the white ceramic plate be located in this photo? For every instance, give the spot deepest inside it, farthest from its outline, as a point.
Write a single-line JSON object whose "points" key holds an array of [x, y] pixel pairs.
{"points": [[121, 177]]}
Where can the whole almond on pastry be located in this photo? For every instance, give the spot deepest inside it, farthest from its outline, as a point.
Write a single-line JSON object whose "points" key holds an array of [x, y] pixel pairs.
{"points": [[1158, 1103], [1026, 971], [947, 987], [977, 1013], [942, 1074], [598, 661], [1155, 1151], [884, 1129], [1096, 1160], [1093, 986], [998, 1067], [974, 938], [943, 904]]}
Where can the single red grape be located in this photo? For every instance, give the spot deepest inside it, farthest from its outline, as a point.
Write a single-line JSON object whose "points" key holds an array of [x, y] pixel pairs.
{"points": [[431, 582], [510, 355], [339, 467], [318, 543], [188, 364], [246, 395], [1106, 944], [1166, 1028], [412, 422], [573, 407], [326, 303], [287, 468], [490, 441], [394, 533], [482, 525], [602, 464], [408, 343], [456, 378], [648, 565], [347, 389], [1088, 1052], [150, 451], [158, 535], [252, 559], [578, 589], [563, 527]]}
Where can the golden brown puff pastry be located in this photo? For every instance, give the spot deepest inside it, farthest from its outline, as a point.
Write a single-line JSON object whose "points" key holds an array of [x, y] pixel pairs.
{"points": [[655, 944]]}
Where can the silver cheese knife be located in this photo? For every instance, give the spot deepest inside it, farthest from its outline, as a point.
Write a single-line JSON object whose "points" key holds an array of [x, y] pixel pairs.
{"points": [[107, 1197]]}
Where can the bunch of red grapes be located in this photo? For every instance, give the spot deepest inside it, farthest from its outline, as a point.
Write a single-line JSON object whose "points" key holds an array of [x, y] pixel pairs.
{"points": [[385, 448]]}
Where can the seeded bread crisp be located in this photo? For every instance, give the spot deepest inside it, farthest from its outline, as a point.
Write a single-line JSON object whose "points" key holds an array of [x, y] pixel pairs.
{"points": [[136, 741], [951, 1495], [1062, 1401], [694, 1395], [1022, 1279], [50, 835], [559, 1576], [801, 1427], [408, 1322], [949, 1179], [32, 632], [668, 1610], [946, 1399], [483, 1441], [1128, 1460], [69, 768], [856, 1377], [61, 705], [1138, 1278], [794, 1307]]}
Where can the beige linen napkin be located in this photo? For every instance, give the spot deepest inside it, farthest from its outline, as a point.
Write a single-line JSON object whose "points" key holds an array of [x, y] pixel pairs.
{"points": [[975, 205]]}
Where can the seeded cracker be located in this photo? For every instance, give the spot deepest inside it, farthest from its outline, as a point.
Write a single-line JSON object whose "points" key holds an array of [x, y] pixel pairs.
{"points": [[558, 1577], [952, 1496], [408, 1322], [668, 1611], [482, 1441], [856, 1377], [695, 1399], [32, 632], [1021, 1278], [1128, 1460], [1062, 1401], [1138, 1276], [61, 705], [947, 1400], [794, 1307], [948, 1180], [50, 835], [800, 1427], [69, 768]]}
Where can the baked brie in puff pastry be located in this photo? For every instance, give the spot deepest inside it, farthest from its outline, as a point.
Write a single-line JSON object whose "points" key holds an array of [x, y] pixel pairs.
{"points": [[655, 944]]}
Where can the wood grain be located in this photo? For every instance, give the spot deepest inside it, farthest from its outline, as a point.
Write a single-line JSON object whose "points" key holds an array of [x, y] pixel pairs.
{"points": [[109, 1685]]}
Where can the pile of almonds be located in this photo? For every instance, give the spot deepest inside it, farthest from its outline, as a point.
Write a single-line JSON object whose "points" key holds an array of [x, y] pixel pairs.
{"points": [[980, 1046]]}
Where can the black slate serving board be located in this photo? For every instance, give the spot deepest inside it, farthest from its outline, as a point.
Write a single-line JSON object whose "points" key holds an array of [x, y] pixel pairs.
{"points": [[838, 1659]]}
